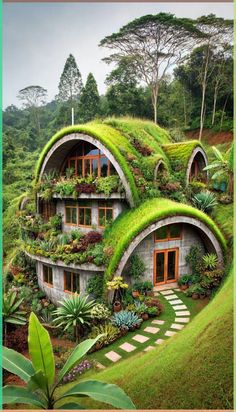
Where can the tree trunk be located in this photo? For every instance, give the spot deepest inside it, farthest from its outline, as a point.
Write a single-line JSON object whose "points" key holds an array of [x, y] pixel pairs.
{"points": [[204, 85], [214, 105], [185, 113], [223, 113], [154, 101]]}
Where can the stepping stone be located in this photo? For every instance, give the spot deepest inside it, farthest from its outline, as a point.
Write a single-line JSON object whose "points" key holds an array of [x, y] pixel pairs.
{"points": [[175, 302], [170, 333], [140, 338], [113, 356], [100, 366], [158, 322], [179, 307], [170, 297], [176, 326], [127, 347], [177, 290], [156, 294], [151, 329], [159, 341], [183, 313], [166, 292], [149, 348], [182, 320]]}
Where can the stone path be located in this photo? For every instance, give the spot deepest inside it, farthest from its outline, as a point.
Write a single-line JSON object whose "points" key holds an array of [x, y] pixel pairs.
{"points": [[182, 317]]}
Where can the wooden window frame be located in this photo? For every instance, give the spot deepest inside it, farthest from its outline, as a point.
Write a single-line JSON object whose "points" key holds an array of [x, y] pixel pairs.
{"points": [[50, 285], [105, 208], [166, 251], [168, 239], [78, 219], [69, 223], [71, 279]]}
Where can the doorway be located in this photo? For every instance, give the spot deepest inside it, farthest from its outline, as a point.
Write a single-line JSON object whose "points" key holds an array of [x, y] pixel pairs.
{"points": [[166, 263]]}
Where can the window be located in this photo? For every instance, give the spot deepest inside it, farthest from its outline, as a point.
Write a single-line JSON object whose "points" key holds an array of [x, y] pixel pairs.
{"points": [[85, 216], [105, 215], [48, 210], [71, 215], [170, 232], [47, 275], [71, 282], [88, 160]]}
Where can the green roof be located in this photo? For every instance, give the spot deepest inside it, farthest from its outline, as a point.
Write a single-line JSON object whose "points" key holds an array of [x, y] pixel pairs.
{"points": [[118, 136], [181, 151], [132, 222]]}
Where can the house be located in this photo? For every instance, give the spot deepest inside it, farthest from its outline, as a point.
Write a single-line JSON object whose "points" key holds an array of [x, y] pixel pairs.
{"points": [[150, 173]]}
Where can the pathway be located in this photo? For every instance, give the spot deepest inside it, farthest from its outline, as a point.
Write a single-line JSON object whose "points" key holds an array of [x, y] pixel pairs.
{"points": [[140, 341]]}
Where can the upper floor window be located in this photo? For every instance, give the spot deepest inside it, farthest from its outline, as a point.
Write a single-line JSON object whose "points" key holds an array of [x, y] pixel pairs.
{"points": [[71, 282], [169, 232], [105, 214], [85, 215], [47, 275], [71, 215], [88, 160]]}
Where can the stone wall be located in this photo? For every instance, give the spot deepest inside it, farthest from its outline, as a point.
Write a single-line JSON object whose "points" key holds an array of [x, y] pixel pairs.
{"points": [[146, 248], [56, 293]]}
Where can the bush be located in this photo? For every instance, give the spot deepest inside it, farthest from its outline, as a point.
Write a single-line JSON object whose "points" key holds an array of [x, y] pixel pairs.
{"points": [[152, 311], [194, 259], [77, 370], [137, 267], [143, 287], [205, 201], [140, 308], [110, 333], [211, 278], [154, 302], [100, 311], [126, 320], [184, 280], [197, 288], [196, 187], [95, 287]]}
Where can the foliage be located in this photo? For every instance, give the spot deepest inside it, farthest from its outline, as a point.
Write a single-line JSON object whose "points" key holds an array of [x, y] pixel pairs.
{"points": [[131, 223], [70, 82], [74, 312], [126, 320], [39, 375], [142, 287], [223, 165], [108, 185], [140, 307], [210, 261], [77, 371], [137, 267], [194, 259], [152, 311], [11, 309], [185, 279], [100, 311], [196, 288], [95, 286], [205, 201], [107, 333], [89, 100], [117, 283]]}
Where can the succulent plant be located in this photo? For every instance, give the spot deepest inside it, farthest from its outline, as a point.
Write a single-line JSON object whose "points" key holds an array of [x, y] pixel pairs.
{"points": [[100, 311], [108, 331], [125, 319]]}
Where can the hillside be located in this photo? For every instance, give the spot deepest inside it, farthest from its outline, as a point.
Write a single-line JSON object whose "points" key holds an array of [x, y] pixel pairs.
{"points": [[193, 370]]}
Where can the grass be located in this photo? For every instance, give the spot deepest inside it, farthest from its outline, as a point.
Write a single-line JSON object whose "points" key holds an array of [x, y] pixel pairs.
{"points": [[168, 315], [181, 151], [192, 370], [223, 215], [130, 223]]}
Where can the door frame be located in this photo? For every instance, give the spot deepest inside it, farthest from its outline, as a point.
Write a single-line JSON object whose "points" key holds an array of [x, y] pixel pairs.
{"points": [[165, 251]]}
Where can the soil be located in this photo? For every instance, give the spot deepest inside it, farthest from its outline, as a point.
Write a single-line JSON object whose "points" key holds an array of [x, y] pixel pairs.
{"points": [[210, 137]]}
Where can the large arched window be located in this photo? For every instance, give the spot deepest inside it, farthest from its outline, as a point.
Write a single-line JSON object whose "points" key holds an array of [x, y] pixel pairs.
{"points": [[88, 160]]}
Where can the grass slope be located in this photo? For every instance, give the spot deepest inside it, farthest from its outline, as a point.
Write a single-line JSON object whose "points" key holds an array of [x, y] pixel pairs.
{"points": [[192, 370], [132, 222], [181, 151]]}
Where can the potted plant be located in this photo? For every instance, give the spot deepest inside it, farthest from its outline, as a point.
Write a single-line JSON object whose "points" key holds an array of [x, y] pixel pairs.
{"points": [[118, 285], [117, 306], [183, 282]]}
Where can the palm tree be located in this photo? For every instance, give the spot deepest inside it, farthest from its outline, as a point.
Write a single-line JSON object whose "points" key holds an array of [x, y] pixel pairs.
{"points": [[223, 165], [74, 312], [11, 313]]}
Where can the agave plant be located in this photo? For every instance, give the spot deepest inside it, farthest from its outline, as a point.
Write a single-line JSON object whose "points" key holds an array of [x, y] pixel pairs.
{"points": [[10, 311], [74, 312], [41, 383], [205, 201], [125, 319]]}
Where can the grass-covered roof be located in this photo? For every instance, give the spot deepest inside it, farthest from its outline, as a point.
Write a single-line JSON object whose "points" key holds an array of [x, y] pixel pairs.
{"points": [[132, 222], [181, 151]]}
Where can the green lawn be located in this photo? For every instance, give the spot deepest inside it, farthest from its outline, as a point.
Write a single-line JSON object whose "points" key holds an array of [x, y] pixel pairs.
{"points": [[168, 315]]}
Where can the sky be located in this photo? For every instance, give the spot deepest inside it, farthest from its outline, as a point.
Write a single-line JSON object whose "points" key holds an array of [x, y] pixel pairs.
{"points": [[38, 38]]}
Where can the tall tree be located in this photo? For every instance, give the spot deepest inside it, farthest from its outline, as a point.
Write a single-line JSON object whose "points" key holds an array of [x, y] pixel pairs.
{"points": [[70, 84], [151, 45], [89, 100], [218, 32], [33, 97]]}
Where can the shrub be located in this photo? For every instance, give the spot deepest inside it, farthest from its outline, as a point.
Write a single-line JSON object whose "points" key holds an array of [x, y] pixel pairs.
{"points": [[56, 222], [92, 238], [153, 302], [126, 320], [77, 370], [194, 259], [184, 280], [108, 331], [225, 199], [205, 201], [196, 186], [142, 287], [97, 254], [140, 308], [210, 261], [212, 278], [108, 185], [100, 311], [95, 286], [137, 267], [197, 288], [152, 311], [85, 188]]}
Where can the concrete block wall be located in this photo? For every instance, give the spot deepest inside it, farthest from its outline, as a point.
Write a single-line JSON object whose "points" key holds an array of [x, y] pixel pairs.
{"points": [[146, 248], [118, 207], [56, 293]]}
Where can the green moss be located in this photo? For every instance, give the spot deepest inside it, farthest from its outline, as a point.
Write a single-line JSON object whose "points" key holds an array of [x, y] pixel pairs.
{"points": [[114, 141], [181, 151], [132, 222]]}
